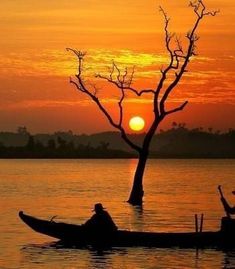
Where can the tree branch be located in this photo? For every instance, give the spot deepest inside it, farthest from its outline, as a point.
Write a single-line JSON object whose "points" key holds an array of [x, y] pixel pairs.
{"points": [[80, 86], [119, 85], [199, 9], [181, 107]]}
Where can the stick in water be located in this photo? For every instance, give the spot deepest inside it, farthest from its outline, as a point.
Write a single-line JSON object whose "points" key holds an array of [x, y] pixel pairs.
{"points": [[196, 223]]}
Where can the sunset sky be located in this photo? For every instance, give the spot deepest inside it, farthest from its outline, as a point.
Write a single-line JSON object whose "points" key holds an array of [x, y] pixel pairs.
{"points": [[35, 66]]}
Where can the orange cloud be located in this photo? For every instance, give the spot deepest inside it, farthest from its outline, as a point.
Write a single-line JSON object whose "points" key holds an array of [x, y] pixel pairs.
{"points": [[35, 66]]}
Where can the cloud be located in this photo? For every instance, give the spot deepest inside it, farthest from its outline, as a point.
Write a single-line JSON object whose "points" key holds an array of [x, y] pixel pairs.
{"points": [[211, 79]]}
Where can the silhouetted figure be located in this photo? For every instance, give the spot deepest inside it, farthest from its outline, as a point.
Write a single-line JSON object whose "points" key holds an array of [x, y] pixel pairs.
{"points": [[101, 221], [228, 209]]}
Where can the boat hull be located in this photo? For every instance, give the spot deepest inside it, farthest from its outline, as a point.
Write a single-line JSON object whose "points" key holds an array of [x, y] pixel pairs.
{"points": [[76, 235]]}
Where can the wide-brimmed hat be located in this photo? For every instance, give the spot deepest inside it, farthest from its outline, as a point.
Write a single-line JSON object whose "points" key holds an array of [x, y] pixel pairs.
{"points": [[98, 206]]}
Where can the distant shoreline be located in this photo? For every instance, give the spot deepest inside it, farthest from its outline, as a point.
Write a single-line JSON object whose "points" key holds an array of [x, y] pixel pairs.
{"points": [[119, 158], [175, 143]]}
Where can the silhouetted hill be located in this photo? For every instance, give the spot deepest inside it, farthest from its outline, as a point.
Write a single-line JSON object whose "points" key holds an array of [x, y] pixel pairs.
{"points": [[177, 142]]}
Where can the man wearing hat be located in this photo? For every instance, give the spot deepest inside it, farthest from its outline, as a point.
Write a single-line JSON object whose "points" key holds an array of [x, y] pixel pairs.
{"points": [[101, 221]]}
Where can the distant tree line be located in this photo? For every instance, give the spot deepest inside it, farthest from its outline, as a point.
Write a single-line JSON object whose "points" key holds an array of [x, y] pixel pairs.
{"points": [[181, 142], [56, 147], [176, 142]]}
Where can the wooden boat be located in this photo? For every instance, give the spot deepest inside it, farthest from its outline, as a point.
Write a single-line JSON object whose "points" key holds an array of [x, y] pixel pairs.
{"points": [[76, 235]]}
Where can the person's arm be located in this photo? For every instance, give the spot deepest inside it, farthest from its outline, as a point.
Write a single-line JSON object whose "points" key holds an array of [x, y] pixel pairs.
{"points": [[227, 208]]}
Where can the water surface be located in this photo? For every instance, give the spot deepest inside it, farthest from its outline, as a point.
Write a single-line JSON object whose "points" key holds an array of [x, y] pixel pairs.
{"points": [[175, 190]]}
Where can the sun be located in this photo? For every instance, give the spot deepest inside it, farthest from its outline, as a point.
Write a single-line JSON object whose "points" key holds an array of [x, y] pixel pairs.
{"points": [[136, 123]]}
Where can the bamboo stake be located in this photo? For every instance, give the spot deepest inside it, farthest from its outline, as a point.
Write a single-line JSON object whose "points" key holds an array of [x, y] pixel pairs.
{"points": [[196, 223], [201, 223]]}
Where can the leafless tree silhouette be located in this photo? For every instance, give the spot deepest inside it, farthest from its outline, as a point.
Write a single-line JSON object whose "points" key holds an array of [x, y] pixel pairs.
{"points": [[179, 59]]}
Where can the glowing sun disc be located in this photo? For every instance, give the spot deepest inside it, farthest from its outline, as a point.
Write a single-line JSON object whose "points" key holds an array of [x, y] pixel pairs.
{"points": [[136, 123]]}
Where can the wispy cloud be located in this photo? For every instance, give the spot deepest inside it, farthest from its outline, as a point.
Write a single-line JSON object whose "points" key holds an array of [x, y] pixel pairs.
{"points": [[61, 62], [209, 79]]}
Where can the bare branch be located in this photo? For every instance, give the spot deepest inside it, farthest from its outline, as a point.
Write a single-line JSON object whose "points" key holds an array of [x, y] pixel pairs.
{"points": [[123, 81], [80, 55], [178, 52], [124, 76], [80, 86], [181, 107], [132, 76], [175, 56], [129, 142], [211, 13], [96, 89], [121, 107], [111, 72], [168, 35], [195, 5], [200, 11]]}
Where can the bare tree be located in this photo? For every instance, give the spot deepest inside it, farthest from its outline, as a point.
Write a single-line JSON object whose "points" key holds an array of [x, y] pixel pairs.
{"points": [[179, 58]]}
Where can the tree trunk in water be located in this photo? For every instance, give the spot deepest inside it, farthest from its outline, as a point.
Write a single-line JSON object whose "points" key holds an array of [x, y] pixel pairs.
{"points": [[137, 192]]}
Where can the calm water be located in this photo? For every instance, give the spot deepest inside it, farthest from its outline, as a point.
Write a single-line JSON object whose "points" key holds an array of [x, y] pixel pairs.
{"points": [[175, 191]]}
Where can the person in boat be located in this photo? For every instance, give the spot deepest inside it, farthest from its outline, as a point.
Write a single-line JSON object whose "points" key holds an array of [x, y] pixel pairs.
{"points": [[101, 221], [227, 208]]}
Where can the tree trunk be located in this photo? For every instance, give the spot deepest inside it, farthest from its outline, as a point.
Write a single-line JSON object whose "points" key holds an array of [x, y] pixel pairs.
{"points": [[137, 192]]}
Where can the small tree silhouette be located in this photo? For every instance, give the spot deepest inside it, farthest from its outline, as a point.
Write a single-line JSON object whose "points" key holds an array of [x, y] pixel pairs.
{"points": [[179, 58]]}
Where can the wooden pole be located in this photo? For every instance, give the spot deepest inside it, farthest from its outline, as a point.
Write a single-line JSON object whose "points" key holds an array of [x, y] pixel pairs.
{"points": [[196, 223], [201, 223]]}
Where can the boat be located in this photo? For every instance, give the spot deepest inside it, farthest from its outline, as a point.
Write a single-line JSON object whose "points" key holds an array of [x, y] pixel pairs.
{"points": [[76, 235]]}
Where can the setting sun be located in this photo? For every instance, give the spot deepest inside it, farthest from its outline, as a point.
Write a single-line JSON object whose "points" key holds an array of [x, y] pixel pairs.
{"points": [[136, 123]]}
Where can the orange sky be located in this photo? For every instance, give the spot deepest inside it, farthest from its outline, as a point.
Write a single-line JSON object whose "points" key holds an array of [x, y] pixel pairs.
{"points": [[35, 66]]}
